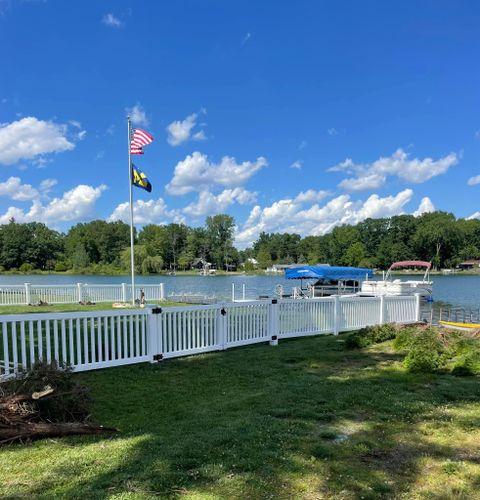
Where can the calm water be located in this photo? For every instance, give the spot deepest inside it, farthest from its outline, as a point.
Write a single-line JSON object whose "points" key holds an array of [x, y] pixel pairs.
{"points": [[456, 290]]}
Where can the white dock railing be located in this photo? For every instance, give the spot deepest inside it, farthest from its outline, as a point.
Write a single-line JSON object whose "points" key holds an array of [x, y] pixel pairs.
{"points": [[16, 295], [100, 339]]}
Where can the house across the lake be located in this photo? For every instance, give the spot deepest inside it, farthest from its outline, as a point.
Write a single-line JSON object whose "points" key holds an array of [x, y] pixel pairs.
{"points": [[469, 264]]}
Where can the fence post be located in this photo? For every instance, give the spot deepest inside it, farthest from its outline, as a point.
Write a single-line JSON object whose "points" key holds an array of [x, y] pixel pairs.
{"points": [[124, 292], [162, 291], [417, 307], [336, 315], [28, 293], [273, 322], [80, 292], [382, 309], [153, 332], [221, 326]]}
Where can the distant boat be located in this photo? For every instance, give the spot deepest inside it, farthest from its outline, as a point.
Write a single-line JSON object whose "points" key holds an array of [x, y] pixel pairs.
{"points": [[323, 281], [390, 286]]}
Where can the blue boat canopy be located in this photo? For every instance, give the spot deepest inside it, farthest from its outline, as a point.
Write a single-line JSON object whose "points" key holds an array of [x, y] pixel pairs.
{"points": [[328, 273]]}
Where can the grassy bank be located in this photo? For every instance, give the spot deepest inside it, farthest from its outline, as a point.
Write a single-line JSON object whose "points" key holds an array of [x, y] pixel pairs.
{"points": [[306, 419], [69, 307]]}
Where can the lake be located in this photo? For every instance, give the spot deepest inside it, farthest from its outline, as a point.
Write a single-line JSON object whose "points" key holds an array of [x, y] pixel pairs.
{"points": [[457, 290]]}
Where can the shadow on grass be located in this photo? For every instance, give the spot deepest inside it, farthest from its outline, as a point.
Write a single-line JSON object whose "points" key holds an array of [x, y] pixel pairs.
{"points": [[305, 419]]}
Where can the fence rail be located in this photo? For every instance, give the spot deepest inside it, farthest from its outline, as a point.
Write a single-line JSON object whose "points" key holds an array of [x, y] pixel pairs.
{"points": [[26, 294], [100, 339]]}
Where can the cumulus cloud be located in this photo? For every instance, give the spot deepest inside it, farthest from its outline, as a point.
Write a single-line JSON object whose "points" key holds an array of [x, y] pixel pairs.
{"points": [[473, 181], [197, 173], [138, 115], [207, 203], [145, 212], [475, 215], [29, 137], [75, 205], [112, 21], [290, 215], [373, 175], [311, 196], [181, 131], [426, 206], [15, 190]]}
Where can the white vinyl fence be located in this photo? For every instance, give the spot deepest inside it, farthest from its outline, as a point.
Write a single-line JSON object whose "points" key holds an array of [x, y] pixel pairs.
{"points": [[16, 295], [100, 339]]}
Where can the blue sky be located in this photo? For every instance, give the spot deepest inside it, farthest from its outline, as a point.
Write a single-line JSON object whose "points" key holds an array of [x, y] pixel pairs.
{"points": [[290, 116]]}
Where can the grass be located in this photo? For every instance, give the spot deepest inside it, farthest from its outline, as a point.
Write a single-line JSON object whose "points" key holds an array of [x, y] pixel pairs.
{"points": [[102, 306], [305, 420]]}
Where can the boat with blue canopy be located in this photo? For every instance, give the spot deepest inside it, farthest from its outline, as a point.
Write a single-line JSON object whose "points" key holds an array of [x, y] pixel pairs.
{"points": [[327, 280]]}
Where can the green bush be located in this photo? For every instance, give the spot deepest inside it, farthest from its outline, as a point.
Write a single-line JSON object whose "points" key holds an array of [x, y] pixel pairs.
{"points": [[61, 267], [371, 335], [426, 352], [26, 267]]}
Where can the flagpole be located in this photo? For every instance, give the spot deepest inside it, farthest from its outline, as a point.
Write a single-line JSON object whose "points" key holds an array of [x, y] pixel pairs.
{"points": [[132, 257]]}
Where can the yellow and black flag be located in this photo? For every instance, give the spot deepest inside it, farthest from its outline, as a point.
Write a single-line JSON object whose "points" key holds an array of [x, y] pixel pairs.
{"points": [[140, 180]]}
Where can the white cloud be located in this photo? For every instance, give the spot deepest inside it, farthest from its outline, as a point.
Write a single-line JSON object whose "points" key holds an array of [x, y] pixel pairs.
{"points": [[366, 182], [208, 203], [15, 190], [81, 135], [75, 205], [29, 137], [473, 181], [47, 185], [298, 164], [332, 131], [373, 175], [426, 206], [200, 136], [302, 145], [112, 21], [475, 215], [310, 196], [289, 215], [145, 212], [180, 131], [197, 173], [138, 115]]}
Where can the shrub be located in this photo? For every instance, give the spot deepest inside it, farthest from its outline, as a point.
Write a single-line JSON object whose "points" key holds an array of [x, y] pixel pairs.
{"points": [[61, 267], [371, 335], [26, 267], [426, 352]]}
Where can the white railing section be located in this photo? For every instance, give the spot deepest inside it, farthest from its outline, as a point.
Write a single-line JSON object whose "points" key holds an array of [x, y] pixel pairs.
{"points": [[100, 339], [26, 294]]}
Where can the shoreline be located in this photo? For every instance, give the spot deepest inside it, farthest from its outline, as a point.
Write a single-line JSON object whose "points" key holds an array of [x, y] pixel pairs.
{"points": [[219, 273]]}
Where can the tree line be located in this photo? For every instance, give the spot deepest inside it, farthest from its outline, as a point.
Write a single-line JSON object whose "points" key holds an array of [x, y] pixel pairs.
{"points": [[104, 247]]}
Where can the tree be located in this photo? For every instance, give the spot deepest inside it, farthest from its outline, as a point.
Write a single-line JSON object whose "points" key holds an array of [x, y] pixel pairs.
{"points": [[219, 232], [152, 265], [355, 254], [264, 258]]}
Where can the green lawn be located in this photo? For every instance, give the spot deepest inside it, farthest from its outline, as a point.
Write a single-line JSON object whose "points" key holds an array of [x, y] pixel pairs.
{"points": [[302, 420], [102, 306]]}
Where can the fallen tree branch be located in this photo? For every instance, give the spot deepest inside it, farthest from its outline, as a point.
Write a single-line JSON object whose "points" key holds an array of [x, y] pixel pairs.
{"points": [[40, 430]]}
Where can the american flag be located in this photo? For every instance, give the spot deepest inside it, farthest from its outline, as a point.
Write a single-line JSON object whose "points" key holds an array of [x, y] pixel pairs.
{"points": [[139, 139]]}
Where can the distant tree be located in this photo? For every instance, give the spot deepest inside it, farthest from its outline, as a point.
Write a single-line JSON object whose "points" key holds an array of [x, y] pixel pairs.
{"points": [[219, 232], [152, 265], [264, 258]]}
